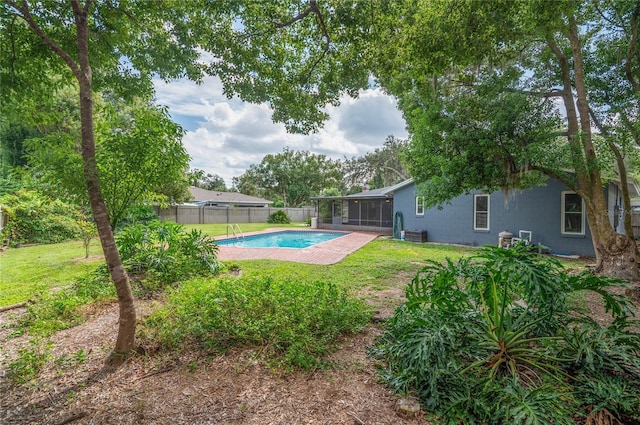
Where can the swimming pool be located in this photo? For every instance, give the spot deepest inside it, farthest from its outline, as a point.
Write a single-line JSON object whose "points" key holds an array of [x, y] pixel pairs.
{"points": [[283, 239]]}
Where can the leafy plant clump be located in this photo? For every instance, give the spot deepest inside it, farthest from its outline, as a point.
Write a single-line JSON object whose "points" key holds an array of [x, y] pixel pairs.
{"points": [[279, 217], [157, 254], [291, 324], [36, 218], [494, 339], [29, 362]]}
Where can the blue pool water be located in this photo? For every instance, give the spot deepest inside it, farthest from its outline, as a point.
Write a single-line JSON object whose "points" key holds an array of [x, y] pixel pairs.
{"points": [[284, 239]]}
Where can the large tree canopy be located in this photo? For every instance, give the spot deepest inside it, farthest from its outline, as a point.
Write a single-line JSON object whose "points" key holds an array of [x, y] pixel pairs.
{"points": [[380, 168], [290, 176], [199, 178], [139, 154], [497, 94]]}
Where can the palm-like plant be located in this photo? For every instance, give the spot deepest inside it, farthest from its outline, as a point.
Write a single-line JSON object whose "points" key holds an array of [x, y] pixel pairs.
{"points": [[165, 252], [493, 338]]}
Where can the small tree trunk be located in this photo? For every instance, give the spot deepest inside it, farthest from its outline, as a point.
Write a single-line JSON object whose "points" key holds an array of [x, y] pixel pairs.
{"points": [[82, 72], [86, 242], [127, 321]]}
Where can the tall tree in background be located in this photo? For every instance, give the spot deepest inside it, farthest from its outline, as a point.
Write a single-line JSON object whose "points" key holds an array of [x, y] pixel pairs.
{"points": [[614, 79], [12, 136], [198, 178], [380, 168], [296, 57], [139, 156], [292, 176], [480, 83]]}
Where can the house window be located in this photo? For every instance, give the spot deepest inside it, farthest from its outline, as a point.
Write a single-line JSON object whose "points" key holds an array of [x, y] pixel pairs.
{"points": [[572, 214], [480, 212], [419, 205]]}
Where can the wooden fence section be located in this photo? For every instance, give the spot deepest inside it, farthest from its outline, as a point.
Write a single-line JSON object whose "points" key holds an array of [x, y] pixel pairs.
{"points": [[635, 224], [188, 214]]}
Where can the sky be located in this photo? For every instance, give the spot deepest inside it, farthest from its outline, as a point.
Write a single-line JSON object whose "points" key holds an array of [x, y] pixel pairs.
{"points": [[226, 136]]}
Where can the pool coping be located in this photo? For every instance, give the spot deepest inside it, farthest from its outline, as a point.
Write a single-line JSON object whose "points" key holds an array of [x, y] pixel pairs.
{"points": [[328, 252]]}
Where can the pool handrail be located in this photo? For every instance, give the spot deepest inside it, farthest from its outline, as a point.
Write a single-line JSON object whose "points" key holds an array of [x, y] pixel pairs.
{"points": [[233, 230]]}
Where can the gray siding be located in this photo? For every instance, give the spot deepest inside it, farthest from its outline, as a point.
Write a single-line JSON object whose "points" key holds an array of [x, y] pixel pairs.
{"points": [[537, 209]]}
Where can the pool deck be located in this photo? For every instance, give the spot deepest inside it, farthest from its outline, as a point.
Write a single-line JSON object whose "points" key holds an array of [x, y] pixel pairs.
{"points": [[329, 252]]}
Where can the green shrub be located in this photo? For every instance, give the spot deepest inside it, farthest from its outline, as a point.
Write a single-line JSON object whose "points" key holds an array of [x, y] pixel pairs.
{"points": [[279, 217], [137, 214], [10, 184], [157, 254], [35, 218], [493, 339], [290, 323]]}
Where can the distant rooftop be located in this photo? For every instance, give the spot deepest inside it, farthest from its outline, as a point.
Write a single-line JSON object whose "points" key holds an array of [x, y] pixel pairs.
{"points": [[223, 199]]}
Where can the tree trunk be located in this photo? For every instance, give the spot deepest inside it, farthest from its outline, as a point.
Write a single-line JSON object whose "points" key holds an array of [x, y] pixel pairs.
{"points": [[615, 253], [624, 181], [127, 320], [626, 198], [618, 258]]}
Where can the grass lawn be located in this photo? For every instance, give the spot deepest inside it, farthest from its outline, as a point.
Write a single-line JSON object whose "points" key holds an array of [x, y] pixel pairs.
{"points": [[27, 271], [376, 264]]}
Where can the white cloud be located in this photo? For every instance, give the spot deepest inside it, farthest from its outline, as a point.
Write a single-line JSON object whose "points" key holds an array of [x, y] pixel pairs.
{"points": [[226, 136]]}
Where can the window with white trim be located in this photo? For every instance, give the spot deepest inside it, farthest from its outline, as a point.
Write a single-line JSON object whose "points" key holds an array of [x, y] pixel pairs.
{"points": [[419, 205], [573, 216], [480, 212]]}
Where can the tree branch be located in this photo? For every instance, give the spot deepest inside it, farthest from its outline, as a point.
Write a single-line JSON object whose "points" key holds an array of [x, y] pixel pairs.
{"points": [[562, 178], [297, 18], [604, 16], [312, 9], [87, 6], [12, 61], [633, 50], [398, 173], [23, 12]]}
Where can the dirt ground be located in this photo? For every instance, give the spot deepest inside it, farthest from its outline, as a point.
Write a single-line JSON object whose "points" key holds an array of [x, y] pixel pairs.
{"points": [[191, 389]]}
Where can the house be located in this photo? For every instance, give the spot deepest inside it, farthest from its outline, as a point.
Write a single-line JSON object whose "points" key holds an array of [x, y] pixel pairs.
{"points": [[553, 214], [210, 198]]}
